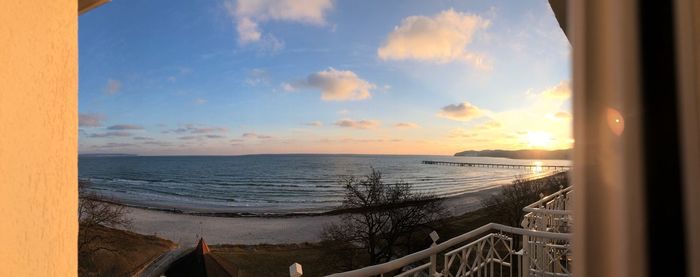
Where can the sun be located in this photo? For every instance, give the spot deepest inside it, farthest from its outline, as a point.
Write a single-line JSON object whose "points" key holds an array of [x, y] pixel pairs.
{"points": [[539, 139]]}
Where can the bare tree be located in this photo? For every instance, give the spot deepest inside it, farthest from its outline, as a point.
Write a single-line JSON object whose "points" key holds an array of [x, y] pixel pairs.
{"points": [[93, 212], [380, 215], [507, 205]]}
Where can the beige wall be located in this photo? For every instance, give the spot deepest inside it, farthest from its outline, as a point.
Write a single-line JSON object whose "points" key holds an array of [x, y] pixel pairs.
{"points": [[38, 138]]}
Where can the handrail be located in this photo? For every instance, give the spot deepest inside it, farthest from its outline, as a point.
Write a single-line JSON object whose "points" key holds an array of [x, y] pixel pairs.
{"points": [[534, 207], [423, 254]]}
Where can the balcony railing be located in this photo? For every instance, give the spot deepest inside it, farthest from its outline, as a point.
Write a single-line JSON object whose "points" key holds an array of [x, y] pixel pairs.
{"points": [[552, 213], [486, 251], [542, 248]]}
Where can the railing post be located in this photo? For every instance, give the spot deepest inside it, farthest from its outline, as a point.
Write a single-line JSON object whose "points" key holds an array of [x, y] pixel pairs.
{"points": [[525, 263], [295, 270], [433, 256]]}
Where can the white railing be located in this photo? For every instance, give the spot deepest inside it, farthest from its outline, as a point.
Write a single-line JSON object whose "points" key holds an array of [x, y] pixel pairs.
{"points": [[489, 251], [552, 213]]}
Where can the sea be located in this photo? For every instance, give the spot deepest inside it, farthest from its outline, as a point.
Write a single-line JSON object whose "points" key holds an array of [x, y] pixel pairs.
{"points": [[279, 184]]}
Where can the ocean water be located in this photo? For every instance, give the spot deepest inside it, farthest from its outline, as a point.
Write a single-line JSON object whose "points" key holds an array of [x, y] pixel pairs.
{"points": [[278, 184]]}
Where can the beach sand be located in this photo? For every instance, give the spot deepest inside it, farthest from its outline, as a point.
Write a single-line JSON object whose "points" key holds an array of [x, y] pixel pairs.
{"points": [[185, 229]]}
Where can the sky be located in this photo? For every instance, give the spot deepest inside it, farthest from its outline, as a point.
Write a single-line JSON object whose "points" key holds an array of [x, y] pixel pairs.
{"points": [[230, 77]]}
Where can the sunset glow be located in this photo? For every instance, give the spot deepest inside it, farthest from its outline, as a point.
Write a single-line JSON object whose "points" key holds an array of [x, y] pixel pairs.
{"points": [[246, 77], [539, 139]]}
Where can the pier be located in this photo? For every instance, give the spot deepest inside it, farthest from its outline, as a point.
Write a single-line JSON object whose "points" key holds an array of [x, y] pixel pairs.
{"points": [[526, 166]]}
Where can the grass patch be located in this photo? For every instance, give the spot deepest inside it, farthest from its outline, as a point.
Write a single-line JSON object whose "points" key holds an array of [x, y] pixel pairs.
{"points": [[121, 253]]}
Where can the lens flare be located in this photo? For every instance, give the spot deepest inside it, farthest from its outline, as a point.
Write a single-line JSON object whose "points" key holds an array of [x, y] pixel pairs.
{"points": [[539, 139]]}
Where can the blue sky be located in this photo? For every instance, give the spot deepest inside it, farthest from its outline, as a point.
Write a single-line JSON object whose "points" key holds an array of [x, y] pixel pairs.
{"points": [[229, 77]]}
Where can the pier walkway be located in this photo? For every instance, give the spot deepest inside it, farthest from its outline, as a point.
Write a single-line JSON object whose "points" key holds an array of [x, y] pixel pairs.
{"points": [[528, 166]]}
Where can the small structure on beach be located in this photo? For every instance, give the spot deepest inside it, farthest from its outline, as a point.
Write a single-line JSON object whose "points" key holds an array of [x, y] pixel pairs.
{"points": [[201, 262]]}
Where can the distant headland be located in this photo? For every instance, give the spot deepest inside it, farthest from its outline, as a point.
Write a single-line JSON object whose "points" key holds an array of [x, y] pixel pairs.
{"points": [[562, 154]]}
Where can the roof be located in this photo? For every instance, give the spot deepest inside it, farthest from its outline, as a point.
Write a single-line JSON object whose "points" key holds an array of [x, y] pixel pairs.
{"points": [[201, 262], [87, 5], [560, 7]]}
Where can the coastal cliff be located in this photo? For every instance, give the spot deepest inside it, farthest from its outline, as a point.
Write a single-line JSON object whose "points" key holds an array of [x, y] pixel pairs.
{"points": [[562, 154]]}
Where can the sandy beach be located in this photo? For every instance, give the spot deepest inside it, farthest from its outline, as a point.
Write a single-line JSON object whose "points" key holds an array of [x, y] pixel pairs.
{"points": [[185, 229]]}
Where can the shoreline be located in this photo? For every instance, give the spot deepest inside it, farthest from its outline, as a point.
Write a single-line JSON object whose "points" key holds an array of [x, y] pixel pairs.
{"points": [[310, 213], [331, 212], [186, 229]]}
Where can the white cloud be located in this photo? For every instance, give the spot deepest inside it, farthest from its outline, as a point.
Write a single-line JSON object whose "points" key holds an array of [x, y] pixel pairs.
{"points": [[560, 91], [257, 76], [314, 124], [464, 111], [113, 86], [287, 87], [441, 38], [249, 14], [358, 124], [199, 101], [336, 85]]}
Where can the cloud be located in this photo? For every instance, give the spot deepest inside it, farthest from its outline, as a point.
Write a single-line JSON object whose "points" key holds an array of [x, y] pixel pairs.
{"points": [[200, 137], [406, 125], [336, 85], [125, 127], [249, 14], [116, 145], [197, 129], [287, 87], [464, 111], [199, 101], [143, 138], [158, 143], [113, 86], [441, 38], [111, 134], [255, 136], [461, 133], [489, 125], [314, 124], [358, 124], [560, 91], [257, 77], [90, 120], [561, 115]]}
